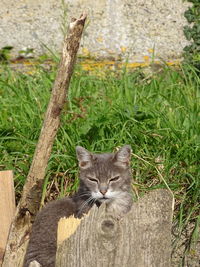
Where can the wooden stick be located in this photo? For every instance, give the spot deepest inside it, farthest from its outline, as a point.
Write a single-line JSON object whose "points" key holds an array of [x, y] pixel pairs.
{"points": [[31, 196], [7, 208]]}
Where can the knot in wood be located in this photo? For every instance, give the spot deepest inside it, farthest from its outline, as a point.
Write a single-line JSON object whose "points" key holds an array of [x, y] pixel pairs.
{"points": [[108, 233], [108, 227], [56, 111]]}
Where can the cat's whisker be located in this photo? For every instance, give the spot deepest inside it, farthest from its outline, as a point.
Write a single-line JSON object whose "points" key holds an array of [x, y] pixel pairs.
{"points": [[85, 203], [93, 201], [84, 194]]}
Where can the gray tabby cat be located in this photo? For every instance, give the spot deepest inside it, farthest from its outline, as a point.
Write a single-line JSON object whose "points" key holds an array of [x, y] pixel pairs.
{"points": [[103, 178]]}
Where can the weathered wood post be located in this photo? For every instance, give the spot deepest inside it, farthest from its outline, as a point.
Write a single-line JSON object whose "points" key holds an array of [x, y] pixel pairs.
{"points": [[141, 239], [7, 208]]}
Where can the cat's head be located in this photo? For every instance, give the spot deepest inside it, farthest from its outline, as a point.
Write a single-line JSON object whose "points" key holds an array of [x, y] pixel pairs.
{"points": [[107, 176]]}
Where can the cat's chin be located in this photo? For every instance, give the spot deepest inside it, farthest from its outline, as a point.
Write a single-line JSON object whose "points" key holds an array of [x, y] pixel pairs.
{"points": [[104, 200]]}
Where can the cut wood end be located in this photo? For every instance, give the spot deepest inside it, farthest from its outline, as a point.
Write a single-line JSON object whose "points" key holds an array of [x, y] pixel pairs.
{"points": [[66, 228], [75, 21], [83, 16]]}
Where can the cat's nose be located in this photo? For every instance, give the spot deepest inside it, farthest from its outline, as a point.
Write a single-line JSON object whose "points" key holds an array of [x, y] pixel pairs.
{"points": [[103, 191]]}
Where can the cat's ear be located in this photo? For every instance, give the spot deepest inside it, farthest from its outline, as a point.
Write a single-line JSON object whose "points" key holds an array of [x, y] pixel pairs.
{"points": [[123, 156], [84, 157]]}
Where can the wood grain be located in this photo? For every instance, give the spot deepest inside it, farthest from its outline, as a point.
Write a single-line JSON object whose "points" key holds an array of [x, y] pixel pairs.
{"points": [[7, 208], [141, 239]]}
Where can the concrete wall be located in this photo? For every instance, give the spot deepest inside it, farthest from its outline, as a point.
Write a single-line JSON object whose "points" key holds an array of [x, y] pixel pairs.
{"points": [[116, 28]]}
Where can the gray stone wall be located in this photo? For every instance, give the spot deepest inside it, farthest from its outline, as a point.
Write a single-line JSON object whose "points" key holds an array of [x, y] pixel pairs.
{"points": [[138, 30]]}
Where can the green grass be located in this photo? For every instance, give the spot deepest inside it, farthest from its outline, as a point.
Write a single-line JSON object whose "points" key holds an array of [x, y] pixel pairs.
{"points": [[157, 116]]}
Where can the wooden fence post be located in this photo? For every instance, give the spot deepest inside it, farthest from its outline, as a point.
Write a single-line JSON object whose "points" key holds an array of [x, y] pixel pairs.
{"points": [[141, 239], [7, 208]]}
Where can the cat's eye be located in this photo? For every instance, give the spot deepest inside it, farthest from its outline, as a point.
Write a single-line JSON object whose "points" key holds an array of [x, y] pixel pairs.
{"points": [[92, 179], [116, 178]]}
